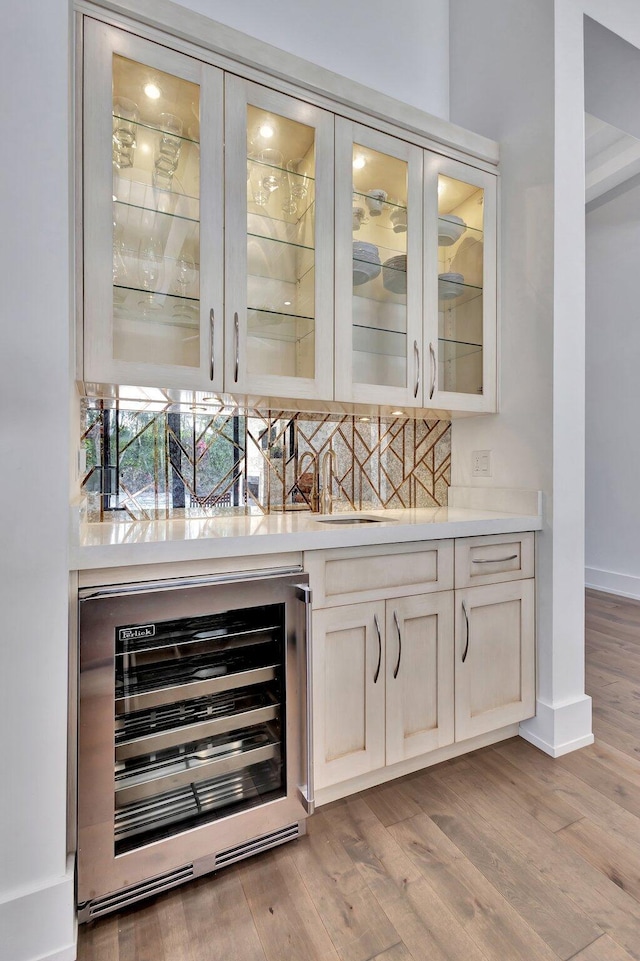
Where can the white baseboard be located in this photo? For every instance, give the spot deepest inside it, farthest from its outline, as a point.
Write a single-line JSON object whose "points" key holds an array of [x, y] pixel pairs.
{"points": [[626, 585], [39, 924], [560, 729]]}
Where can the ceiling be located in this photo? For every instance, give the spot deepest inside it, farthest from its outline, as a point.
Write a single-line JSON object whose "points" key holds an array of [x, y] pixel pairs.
{"points": [[611, 157]]}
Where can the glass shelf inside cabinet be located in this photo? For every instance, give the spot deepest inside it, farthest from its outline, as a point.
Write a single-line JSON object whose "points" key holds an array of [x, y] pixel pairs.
{"points": [[272, 325], [377, 340], [277, 259], [454, 349], [156, 216]]}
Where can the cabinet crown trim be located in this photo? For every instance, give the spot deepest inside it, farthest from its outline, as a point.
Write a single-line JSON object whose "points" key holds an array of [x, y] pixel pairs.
{"points": [[222, 40]]}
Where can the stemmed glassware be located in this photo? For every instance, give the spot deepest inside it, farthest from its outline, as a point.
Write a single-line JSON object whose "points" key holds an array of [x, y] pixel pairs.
{"points": [[185, 275], [150, 271]]}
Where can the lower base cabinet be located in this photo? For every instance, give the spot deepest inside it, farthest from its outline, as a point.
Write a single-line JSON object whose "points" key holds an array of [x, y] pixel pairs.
{"points": [[383, 684], [495, 657], [395, 678]]}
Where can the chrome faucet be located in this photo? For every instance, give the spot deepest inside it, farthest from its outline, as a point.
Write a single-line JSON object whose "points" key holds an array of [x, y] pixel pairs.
{"points": [[315, 485], [328, 467]]}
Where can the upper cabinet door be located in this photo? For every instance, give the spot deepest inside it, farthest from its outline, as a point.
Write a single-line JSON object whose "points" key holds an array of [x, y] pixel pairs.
{"points": [[279, 233], [378, 267], [460, 286], [153, 222]]}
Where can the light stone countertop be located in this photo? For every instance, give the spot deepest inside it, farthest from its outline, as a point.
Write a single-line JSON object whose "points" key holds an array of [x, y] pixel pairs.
{"points": [[124, 543]]}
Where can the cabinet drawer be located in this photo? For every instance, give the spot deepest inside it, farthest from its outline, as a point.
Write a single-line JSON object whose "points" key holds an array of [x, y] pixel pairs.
{"points": [[493, 558], [354, 574]]}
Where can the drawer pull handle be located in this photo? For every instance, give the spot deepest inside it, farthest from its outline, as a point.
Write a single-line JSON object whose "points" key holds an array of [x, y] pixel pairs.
{"points": [[494, 560], [417, 359], [466, 618], [397, 667], [377, 624]]}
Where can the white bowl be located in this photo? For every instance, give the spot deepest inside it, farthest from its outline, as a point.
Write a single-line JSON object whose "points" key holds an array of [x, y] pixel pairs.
{"points": [[449, 285], [363, 272], [450, 229], [394, 274]]}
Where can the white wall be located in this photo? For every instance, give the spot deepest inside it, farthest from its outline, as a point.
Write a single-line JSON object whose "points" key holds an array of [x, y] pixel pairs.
{"points": [[36, 889], [401, 50], [612, 80], [613, 394], [537, 439]]}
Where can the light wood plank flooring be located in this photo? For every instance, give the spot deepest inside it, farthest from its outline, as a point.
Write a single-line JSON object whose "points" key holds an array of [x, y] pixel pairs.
{"points": [[502, 855]]}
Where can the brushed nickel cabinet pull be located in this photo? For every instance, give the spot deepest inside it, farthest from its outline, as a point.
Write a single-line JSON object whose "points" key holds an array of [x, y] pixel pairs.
{"points": [[397, 622], [236, 334], [416, 351], [432, 361], [466, 617], [493, 560], [377, 624], [211, 357]]}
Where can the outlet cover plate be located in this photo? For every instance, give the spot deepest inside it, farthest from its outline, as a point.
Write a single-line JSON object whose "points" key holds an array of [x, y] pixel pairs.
{"points": [[481, 463]]}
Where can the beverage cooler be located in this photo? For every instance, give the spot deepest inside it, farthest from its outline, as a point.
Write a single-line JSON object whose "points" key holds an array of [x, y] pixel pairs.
{"points": [[194, 741]]}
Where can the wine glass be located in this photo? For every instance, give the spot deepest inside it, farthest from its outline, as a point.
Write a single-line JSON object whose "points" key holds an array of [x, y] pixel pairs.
{"points": [[185, 275], [150, 270], [271, 158], [298, 179]]}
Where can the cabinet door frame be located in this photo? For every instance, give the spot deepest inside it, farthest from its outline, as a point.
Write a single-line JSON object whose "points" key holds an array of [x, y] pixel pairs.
{"points": [[473, 668], [101, 42], [238, 94], [400, 746], [347, 133], [328, 771], [434, 396]]}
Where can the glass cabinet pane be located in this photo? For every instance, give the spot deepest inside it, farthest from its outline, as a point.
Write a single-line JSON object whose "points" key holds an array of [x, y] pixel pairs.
{"points": [[379, 248], [156, 216], [460, 286], [281, 256]]}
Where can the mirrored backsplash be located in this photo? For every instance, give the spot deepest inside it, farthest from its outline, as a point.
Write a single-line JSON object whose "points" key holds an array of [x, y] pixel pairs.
{"points": [[156, 464]]}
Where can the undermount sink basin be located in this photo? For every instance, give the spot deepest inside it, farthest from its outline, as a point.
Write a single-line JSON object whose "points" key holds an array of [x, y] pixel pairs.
{"points": [[352, 519]]}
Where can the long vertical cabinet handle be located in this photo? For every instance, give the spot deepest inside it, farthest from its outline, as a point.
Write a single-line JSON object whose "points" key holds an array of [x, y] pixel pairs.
{"points": [[432, 361], [416, 352], [212, 321], [377, 623], [397, 623], [236, 346], [306, 791], [466, 618], [236, 337]]}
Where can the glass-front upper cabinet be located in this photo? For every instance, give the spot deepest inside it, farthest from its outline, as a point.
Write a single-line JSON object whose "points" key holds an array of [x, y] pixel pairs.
{"points": [[279, 244], [153, 214], [378, 268], [460, 286]]}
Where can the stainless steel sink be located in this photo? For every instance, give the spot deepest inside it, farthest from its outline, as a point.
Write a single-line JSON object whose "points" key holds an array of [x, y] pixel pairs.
{"points": [[352, 519]]}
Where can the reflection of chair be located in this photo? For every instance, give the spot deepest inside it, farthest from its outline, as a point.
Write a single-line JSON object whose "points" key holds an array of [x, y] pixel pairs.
{"points": [[214, 499], [253, 486]]}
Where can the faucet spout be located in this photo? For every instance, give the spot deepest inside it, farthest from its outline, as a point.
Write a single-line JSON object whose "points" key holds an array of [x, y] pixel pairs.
{"points": [[314, 493], [328, 468]]}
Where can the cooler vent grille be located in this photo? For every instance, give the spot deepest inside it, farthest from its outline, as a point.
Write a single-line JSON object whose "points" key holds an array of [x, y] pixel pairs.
{"points": [[127, 896], [256, 845]]}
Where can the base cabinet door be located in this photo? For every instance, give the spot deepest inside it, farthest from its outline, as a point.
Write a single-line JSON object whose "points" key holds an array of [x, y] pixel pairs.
{"points": [[494, 657], [419, 675], [348, 692]]}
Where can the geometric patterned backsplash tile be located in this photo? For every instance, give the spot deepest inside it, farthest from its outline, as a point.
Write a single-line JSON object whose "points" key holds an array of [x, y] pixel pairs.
{"points": [[150, 464]]}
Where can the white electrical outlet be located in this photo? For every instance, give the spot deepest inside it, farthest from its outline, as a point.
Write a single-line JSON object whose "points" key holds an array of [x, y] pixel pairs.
{"points": [[82, 461], [481, 463]]}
